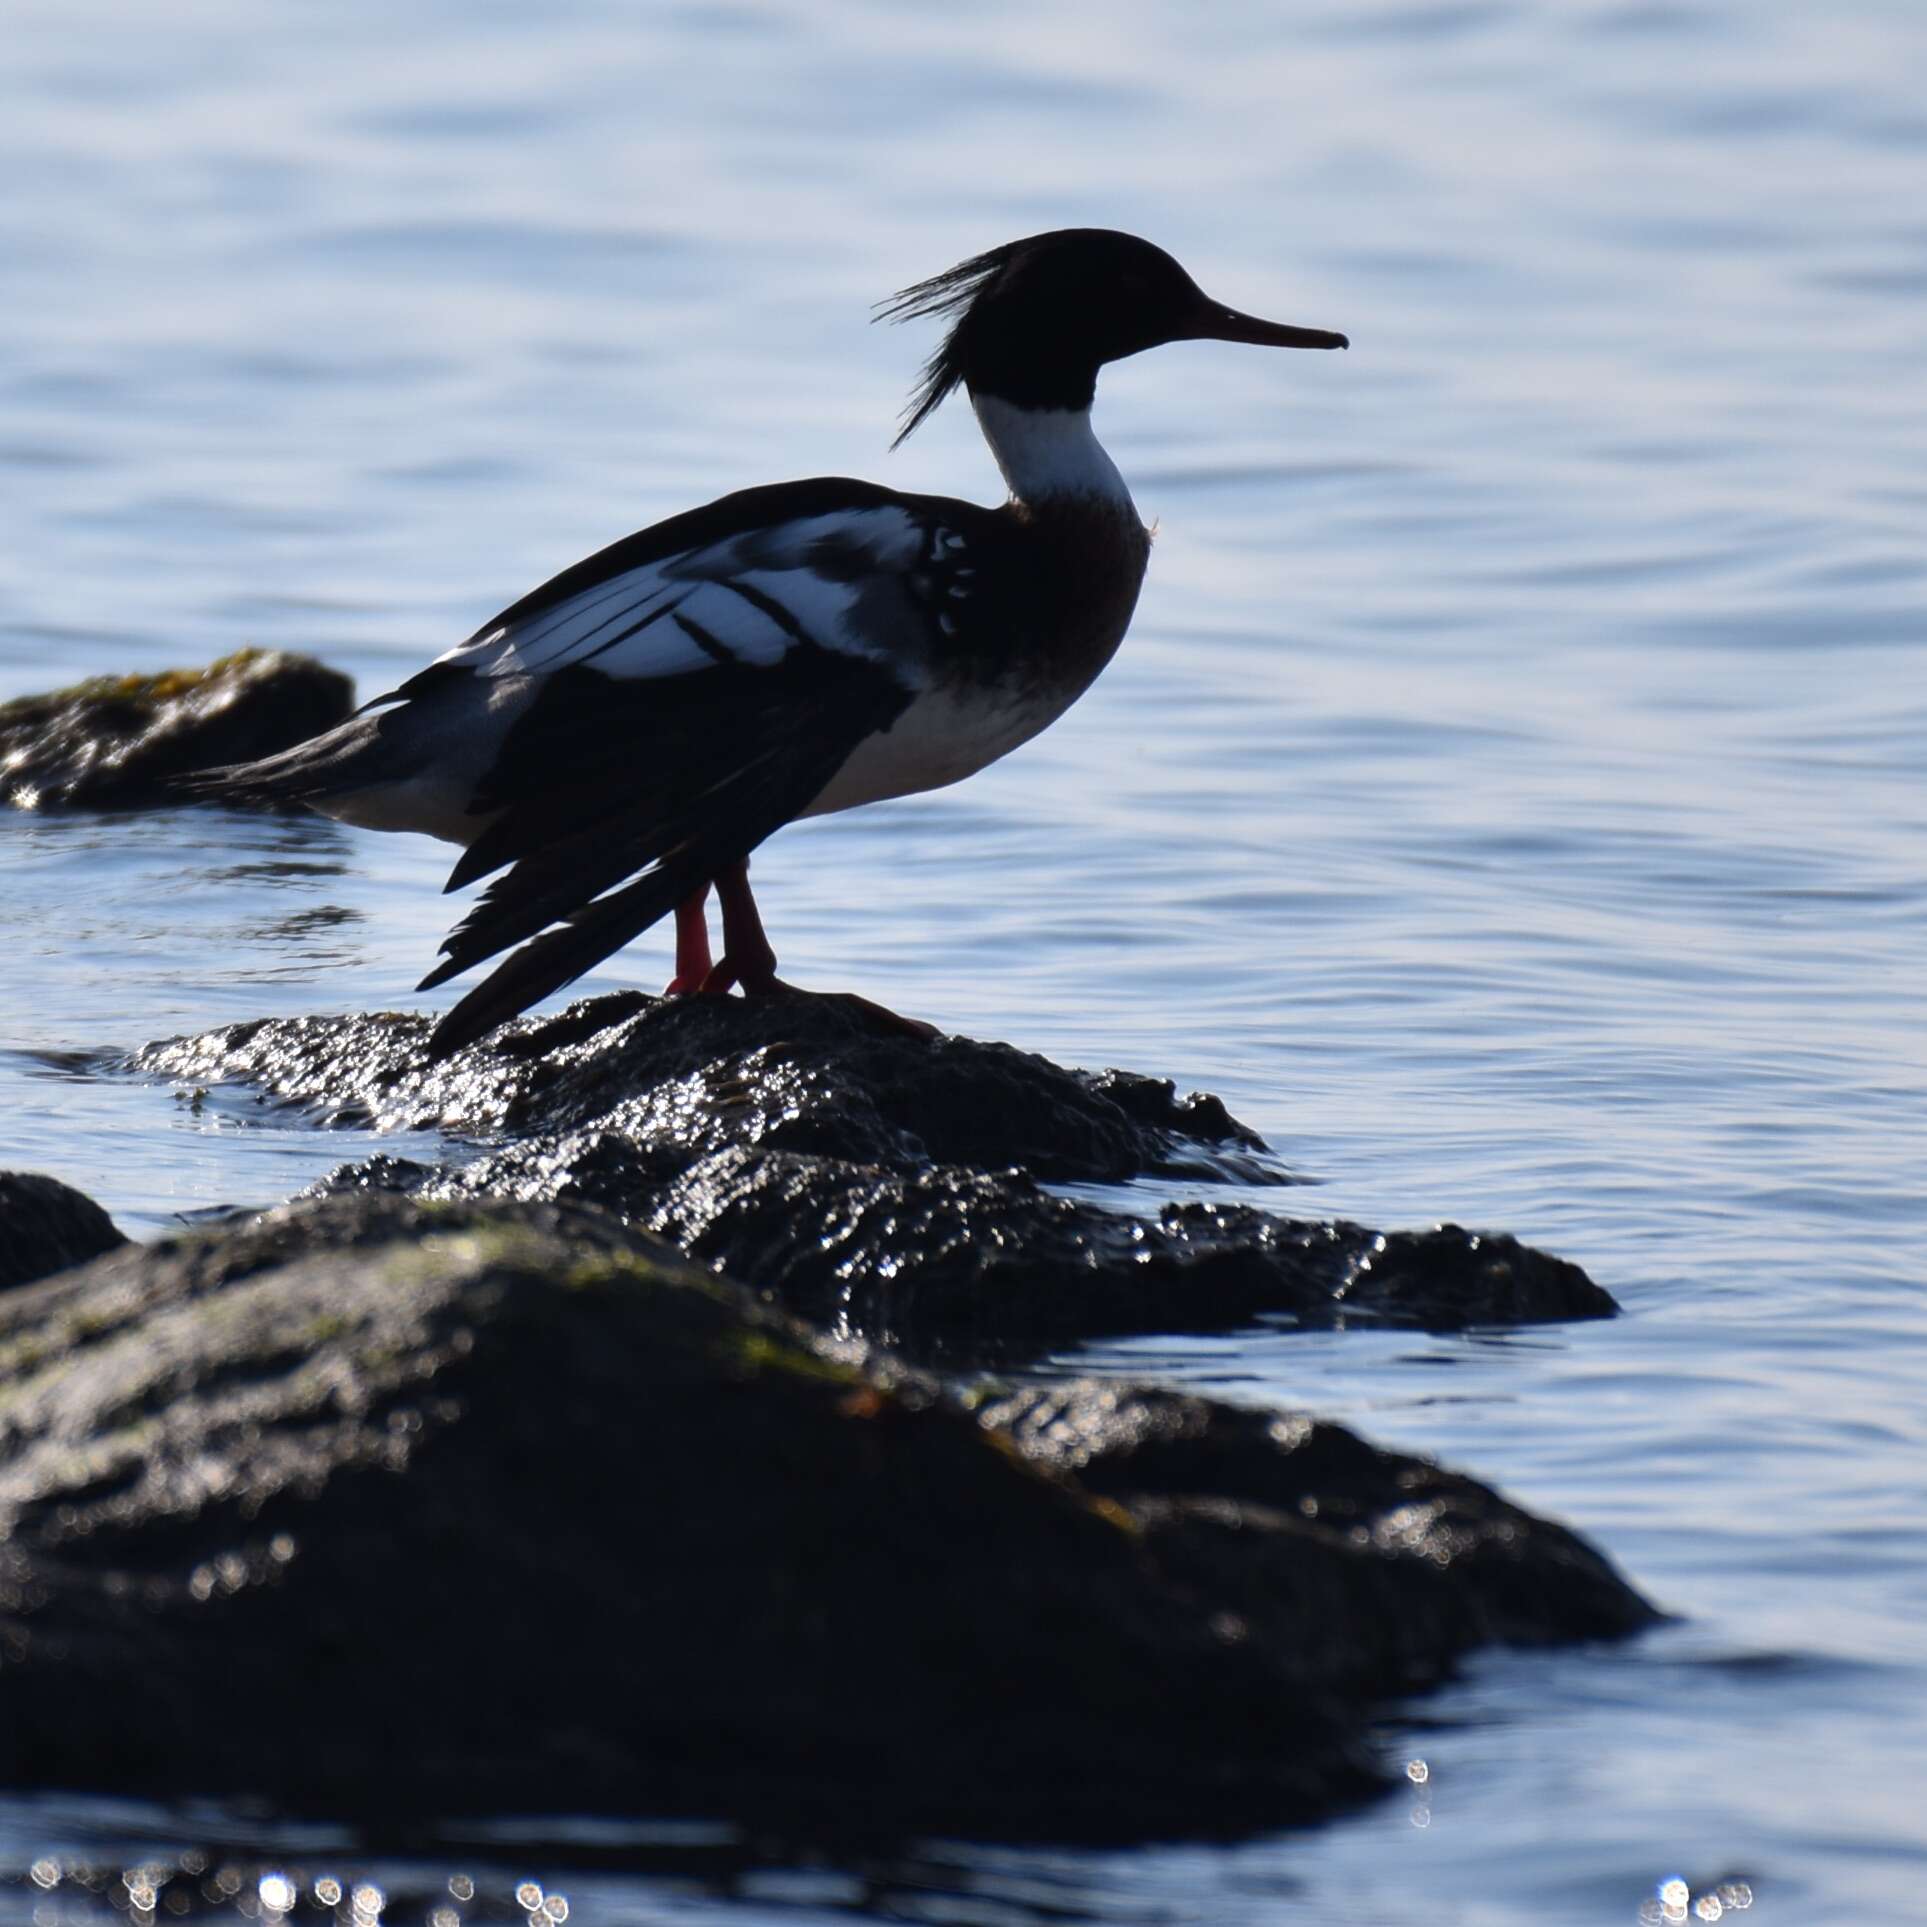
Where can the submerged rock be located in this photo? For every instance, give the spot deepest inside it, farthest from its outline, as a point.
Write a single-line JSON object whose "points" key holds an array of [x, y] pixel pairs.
{"points": [[887, 1186], [45, 1226], [118, 742], [383, 1509]]}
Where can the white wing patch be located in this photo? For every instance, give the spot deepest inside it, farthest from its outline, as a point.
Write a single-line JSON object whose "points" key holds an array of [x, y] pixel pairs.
{"points": [[749, 599]]}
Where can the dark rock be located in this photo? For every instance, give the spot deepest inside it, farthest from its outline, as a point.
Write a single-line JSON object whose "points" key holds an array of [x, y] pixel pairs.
{"points": [[45, 1226], [947, 1261], [380, 1509], [118, 742], [1373, 1566], [975, 1267], [700, 1074], [865, 1179]]}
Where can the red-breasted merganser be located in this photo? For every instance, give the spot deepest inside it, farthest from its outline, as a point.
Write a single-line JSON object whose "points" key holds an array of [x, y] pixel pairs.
{"points": [[616, 744]]}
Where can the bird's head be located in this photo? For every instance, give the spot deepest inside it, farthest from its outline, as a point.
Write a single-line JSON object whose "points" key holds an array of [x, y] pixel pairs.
{"points": [[1035, 319]]}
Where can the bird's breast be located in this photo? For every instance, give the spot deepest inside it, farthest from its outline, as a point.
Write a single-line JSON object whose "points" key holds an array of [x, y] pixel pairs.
{"points": [[1052, 607], [1031, 639]]}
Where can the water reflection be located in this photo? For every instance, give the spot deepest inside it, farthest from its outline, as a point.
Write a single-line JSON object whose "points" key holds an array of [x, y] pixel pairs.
{"points": [[169, 898], [279, 871]]}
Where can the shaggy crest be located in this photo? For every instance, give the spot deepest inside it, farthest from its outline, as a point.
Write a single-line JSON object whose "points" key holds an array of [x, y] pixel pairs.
{"points": [[953, 292]]}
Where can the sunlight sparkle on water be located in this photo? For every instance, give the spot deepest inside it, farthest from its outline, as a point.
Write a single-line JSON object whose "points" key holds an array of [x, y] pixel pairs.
{"points": [[1673, 1902]]}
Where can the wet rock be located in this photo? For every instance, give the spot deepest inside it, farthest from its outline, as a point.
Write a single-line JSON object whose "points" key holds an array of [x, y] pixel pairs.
{"points": [[978, 1266], [883, 1185], [1373, 1565], [984, 1268], [45, 1226], [382, 1509], [118, 742], [700, 1074]]}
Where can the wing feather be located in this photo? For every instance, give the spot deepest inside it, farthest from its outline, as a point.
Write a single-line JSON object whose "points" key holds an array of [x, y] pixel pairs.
{"points": [[731, 755], [798, 579]]}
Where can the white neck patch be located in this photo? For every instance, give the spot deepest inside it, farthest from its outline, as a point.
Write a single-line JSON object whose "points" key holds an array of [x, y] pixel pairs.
{"points": [[1046, 452]]}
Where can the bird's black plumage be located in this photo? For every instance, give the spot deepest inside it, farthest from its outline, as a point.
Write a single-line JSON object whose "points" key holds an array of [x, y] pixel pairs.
{"points": [[733, 754]]}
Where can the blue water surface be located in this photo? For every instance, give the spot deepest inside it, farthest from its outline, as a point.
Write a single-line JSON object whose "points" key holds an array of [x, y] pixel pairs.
{"points": [[1510, 798]]}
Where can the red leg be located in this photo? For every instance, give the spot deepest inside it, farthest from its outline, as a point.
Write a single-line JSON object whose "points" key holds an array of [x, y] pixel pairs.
{"points": [[693, 964], [749, 960], [747, 957]]}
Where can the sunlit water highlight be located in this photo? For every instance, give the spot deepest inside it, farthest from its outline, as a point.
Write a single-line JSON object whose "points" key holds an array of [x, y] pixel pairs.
{"points": [[1510, 798]]}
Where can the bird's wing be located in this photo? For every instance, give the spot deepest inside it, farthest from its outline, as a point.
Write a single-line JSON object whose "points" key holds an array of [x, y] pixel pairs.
{"points": [[835, 562], [692, 690]]}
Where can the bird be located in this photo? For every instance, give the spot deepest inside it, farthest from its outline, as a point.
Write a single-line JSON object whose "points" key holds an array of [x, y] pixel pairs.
{"points": [[614, 746]]}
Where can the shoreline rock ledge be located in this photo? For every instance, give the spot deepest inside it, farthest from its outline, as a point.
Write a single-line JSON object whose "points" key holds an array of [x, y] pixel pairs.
{"points": [[120, 742], [889, 1187], [387, 1508]]}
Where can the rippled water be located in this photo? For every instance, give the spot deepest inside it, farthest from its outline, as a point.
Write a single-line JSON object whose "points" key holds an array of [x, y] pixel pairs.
{"points": [[1510, 797]]}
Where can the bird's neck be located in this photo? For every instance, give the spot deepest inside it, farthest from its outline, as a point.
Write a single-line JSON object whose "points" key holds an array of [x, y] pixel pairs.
{"points": [[1049, 454]]}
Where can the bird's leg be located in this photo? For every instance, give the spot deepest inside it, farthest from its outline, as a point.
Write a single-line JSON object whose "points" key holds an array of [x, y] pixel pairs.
{"points": [[747, 956], [693, 964], [749, 960]]}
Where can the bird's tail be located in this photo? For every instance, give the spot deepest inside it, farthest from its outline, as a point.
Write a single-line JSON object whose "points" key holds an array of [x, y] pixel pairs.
{"points": [[355, 755]]}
